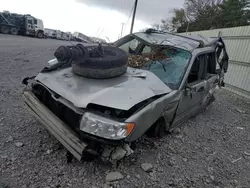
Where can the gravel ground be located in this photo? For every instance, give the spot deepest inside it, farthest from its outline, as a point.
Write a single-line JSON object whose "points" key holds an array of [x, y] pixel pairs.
{"points": [[210, 150]]}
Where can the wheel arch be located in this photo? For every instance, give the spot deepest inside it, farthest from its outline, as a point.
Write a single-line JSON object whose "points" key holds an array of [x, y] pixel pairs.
{"points": [[39, 31], [148, 116]]}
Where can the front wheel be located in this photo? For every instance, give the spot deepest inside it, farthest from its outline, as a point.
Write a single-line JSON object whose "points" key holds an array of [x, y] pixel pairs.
{"points": [[39, 35], [158, 129], [5, 30]]}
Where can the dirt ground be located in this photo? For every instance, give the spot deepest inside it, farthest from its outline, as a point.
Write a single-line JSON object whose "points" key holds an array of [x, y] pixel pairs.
{"points": [[210, 150]]}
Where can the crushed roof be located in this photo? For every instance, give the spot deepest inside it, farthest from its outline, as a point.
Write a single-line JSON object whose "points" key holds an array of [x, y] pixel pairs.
{"points": [[189, 42]]}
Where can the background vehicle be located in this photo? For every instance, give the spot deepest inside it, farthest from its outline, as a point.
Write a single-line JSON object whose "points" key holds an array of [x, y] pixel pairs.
{"points": [[11, 23], [79, 37]]}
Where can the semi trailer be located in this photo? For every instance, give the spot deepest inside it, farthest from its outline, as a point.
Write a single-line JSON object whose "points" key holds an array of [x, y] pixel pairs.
{"points": [[22, 24]]}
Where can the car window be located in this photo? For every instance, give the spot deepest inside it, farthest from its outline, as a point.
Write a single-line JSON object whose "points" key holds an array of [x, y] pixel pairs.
{"points": [[211, 63], [171, 68], [136, 46], [146, 49], [131, 44], [30, 21], [198, 69]]}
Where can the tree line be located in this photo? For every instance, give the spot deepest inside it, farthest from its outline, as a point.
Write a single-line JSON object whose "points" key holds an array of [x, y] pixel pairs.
{"points": [[199, 15]]}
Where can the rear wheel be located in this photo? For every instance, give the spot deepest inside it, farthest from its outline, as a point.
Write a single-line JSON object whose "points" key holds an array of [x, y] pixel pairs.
{"points": [[5, 29], [13, 31]]}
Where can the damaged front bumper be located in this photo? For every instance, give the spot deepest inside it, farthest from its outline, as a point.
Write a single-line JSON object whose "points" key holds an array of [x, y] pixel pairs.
{"points": [[68, 137], [55, 126]]}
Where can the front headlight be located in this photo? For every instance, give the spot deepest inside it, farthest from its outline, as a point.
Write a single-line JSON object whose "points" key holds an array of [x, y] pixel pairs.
{"points": [[104, 127]]}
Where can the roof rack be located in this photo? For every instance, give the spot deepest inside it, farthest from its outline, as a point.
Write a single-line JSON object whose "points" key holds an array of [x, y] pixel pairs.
{"points": [[152, 30]]}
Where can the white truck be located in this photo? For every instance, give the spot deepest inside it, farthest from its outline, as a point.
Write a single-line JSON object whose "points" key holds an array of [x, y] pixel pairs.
{"points": [[12, 23]]}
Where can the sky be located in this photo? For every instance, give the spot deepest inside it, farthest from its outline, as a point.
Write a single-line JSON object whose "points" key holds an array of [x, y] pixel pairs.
{"points": [[96, 18]]}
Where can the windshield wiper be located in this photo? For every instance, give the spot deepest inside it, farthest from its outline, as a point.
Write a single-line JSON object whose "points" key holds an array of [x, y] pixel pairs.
{"points": [[162, 65]]}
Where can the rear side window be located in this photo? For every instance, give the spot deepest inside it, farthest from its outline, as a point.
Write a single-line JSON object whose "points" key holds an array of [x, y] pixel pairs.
{"points": [[211, 63]]}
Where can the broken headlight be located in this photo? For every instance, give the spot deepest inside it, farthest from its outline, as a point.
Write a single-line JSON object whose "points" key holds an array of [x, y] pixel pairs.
{"points": [[104, 127]]}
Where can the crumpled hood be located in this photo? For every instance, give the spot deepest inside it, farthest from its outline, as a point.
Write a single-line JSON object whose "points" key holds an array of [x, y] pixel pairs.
{"points": [[121, 93]]}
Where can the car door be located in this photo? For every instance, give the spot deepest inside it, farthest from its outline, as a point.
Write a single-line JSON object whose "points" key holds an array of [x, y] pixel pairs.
{"points": [[194, 92]]}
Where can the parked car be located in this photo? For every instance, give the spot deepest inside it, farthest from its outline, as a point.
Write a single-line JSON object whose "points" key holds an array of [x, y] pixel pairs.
{"points": [[95, 103]]}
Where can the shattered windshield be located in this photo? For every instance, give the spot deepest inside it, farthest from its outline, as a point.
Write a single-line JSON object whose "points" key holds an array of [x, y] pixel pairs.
{"points": [[170, 66], [166, 62]]}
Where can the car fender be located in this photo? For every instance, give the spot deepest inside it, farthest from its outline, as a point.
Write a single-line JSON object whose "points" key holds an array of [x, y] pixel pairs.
{"points": [[163, 107]]}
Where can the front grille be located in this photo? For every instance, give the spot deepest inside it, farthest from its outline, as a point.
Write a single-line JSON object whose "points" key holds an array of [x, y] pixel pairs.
{"points": [[67, 115]]}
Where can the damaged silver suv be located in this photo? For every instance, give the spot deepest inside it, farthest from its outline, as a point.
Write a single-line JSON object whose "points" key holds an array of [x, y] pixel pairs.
{"points": [[99, 99]]}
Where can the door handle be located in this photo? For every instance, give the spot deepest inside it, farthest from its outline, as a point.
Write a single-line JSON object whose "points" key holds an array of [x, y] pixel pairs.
{"points": [[201, 89]]}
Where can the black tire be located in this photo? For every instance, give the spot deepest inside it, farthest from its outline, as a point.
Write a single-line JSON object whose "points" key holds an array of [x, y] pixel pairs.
{"points": [[158, 129], [13, 31], [113, 64], [40, 35], [5, 29]]}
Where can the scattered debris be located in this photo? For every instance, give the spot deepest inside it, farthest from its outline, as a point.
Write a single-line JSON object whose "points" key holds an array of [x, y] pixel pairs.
{"points": [[114, 154], [247, 153], [81, 173], [172, 161], [176, 131], [212, 178], [241, 128], [138, 176], [210, 169], [140, 75], [3, 156], [236, 160], [171, 149], [240, 111], [49, 151], [185, 159], [114, 176], [147, 167], [38, 131], [19, 144], [208, 181], [138, 61], [13, 159], [9, 139]]}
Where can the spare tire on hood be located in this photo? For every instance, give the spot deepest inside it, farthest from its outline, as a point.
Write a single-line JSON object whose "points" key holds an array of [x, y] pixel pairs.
{"points": [[107, 62]]}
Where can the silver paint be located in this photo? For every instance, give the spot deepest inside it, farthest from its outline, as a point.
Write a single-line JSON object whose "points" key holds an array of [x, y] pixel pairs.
{"points": [[121, 93]]}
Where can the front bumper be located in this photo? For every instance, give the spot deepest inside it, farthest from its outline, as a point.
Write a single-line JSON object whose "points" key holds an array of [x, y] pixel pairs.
{"points": [[63, 133]]}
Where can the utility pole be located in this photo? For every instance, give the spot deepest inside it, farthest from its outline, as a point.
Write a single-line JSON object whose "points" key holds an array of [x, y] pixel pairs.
{"points": [[122, 29], [133, 18]]}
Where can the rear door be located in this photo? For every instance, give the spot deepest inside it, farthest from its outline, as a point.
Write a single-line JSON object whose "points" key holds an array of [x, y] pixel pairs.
{"points": [[211, 74]]}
